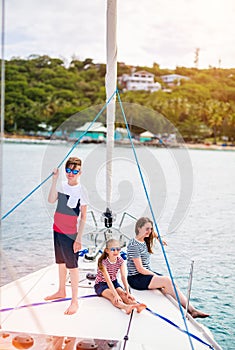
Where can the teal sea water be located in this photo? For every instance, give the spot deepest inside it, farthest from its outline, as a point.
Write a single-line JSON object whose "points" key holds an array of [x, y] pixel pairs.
{"points": [[193, 199]]}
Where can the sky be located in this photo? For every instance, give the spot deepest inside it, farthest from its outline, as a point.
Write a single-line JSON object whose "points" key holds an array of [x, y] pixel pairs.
{"points": [[167, 32]]}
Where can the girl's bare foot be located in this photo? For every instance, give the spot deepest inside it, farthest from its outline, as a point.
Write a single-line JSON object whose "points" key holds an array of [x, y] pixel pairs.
{"points": [[129, 308], [196, 313], [140, 307], [72, 309], [56, 295]]}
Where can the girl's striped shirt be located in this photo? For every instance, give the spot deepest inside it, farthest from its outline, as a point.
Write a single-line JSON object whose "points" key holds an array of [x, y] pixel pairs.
{"points": [[112, 269]]}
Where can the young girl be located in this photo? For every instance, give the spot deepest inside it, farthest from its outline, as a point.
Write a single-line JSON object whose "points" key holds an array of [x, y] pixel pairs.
{"points": [[106, 283]]}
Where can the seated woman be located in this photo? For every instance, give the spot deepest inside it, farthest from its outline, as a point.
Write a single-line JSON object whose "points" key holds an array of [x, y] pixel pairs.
{"points": [[140, 275]]}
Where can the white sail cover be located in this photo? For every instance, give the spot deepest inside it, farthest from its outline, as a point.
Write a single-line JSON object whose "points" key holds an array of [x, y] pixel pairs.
{"points": [[110, 83]]}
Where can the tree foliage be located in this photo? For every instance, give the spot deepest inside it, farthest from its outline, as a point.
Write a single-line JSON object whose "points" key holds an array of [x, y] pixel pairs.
{"points": [[42, 89]]}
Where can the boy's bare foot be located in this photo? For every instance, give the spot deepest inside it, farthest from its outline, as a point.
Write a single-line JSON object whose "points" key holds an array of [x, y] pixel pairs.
{"points": [[72, 309], [140, 307], [196, 313], [56, 295]]}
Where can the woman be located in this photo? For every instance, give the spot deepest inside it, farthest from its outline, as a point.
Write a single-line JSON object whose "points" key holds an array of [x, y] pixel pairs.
{"points": [[140, 276]]}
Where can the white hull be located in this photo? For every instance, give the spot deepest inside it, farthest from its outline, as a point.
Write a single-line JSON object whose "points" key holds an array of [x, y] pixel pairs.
{"points": [[24, 311], [96, 318]]}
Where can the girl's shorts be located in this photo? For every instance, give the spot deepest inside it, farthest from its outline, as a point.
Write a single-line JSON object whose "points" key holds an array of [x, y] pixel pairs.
{"points": [[101, 286]]}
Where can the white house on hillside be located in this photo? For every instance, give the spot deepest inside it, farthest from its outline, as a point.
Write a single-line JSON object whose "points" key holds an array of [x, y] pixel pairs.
{"points": [[173, 79], [141, 80]]}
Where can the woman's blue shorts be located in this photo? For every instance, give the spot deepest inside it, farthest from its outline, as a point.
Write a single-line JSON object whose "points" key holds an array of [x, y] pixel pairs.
{"points": [[139, 281]]}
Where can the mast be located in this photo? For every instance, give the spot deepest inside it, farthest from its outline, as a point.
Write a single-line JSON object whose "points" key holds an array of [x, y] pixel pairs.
{"points": [[110, 84], [2, 101]]}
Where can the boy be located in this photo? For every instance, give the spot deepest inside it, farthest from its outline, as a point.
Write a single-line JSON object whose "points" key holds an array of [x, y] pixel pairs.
{"points": [[71, 204]]}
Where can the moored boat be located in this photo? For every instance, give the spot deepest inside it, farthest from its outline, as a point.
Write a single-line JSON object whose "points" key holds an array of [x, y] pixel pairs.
{"points": [[28, 321]]}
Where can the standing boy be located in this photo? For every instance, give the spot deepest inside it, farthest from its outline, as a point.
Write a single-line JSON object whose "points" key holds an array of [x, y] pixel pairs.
{"points": [[71, 205]]}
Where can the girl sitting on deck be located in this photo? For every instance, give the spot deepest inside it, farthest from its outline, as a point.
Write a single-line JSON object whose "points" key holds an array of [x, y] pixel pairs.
{"points": [[106, 284]]}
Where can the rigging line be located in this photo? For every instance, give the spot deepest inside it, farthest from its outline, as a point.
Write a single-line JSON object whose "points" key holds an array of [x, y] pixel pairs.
{"points": [[153, 216], [45, 302], [27, 196], [2, 101], [49, 176], [180, 254], [94, 120], [126, 337], [23, 294], [7, 239], [186, 258], [178, 327], [95, 295], [3, 70]]}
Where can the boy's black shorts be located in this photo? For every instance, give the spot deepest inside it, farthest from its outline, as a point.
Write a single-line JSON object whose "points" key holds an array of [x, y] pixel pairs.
{"points": [[64, 254]]}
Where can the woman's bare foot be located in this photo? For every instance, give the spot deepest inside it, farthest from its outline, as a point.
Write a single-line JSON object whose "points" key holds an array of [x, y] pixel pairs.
{"points": [[57, 295], [140, 307], [196, 313], [72, 309]]}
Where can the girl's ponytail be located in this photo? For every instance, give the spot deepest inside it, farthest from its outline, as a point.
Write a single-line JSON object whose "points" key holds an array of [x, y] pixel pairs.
{"points": [[101, 258]]}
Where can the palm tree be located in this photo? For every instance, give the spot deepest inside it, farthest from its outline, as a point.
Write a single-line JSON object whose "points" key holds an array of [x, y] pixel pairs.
{"points": [[217, 113]]}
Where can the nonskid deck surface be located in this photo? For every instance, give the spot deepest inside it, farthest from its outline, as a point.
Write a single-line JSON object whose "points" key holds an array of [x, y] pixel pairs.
{"points": [[24, 310]]}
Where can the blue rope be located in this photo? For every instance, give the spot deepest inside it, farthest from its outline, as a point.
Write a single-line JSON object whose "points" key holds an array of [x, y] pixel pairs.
{"points": [[7, 309], [49, 176], [81, 253], [153, 216], [180, 329], [45, 302], [28, 195]]}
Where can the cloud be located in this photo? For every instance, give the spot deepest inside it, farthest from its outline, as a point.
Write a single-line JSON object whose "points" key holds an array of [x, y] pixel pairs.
{"points": [[148, 30]]}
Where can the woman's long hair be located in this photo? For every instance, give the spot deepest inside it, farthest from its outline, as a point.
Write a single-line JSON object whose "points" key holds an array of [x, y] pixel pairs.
{"points": [[104, 255], [148, 240]]}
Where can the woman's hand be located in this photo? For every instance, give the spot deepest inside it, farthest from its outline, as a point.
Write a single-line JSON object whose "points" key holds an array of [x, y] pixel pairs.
{"points": [[155, 235], [163, 242]]}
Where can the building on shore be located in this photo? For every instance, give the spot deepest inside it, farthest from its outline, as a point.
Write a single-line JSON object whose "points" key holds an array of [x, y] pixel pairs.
{"points": [[97, 132], [173, 79], [141, 80]]}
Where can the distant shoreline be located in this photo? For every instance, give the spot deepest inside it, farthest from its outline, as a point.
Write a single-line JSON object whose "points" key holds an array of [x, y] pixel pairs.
{"points": [[204, 146], [195, 146]]}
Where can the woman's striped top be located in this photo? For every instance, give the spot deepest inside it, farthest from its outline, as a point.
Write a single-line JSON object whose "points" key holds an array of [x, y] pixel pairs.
{"points": [[136, 249]]}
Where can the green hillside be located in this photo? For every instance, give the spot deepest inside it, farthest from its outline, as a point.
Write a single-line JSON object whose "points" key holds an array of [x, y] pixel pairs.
{"points": [[42, 89]]}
